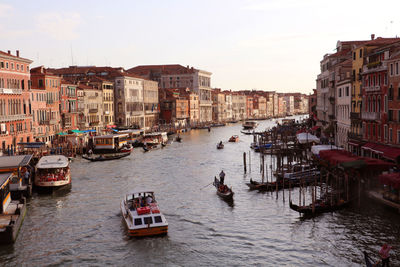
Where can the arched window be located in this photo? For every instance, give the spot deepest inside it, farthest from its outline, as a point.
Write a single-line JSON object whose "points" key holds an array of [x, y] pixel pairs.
{"points": [[378, 109], [373, 104]]}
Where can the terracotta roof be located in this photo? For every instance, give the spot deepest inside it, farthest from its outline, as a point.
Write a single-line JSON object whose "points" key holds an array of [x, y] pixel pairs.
{"points": [[9, 55], [99, 72], [380, 41], [84, 86], [162, 69]]}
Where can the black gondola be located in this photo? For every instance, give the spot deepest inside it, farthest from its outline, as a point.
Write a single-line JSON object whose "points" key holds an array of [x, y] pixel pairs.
{"points": [[105, 156], [220, 145], [178, 139], [223, 191], [319, 207]]}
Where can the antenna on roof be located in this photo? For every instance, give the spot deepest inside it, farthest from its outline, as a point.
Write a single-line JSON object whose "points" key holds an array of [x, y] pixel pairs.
{"points": [[72, 57]]}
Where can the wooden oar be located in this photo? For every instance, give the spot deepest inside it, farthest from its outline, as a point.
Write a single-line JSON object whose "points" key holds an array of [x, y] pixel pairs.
{"points": [[206, 186]]}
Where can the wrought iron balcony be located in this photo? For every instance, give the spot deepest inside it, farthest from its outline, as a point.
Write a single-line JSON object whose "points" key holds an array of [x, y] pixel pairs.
{"points": [[5, 118], [354, 115], [93, 110], [7, 91]]}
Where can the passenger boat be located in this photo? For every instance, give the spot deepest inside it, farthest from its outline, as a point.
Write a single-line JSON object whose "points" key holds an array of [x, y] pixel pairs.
{"points": [[220, 145], [301, 171], [234, 138], [12, 212], [142, 215], [52, 173], [223, 191], [104, 157], [111, 143], [250, 124], [126, 149], [134, 136], [320, 206], [21, 167], [247, 132]]}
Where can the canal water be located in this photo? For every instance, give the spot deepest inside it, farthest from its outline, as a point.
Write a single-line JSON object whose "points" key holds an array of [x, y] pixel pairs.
{"points": [[84, 227]]}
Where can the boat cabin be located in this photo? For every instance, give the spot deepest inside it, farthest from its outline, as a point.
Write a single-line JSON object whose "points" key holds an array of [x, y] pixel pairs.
{"points": [[156, 138], [17, 166], [5, 195], [110, 142], [250, 124], [133, 135], [52, 168]]}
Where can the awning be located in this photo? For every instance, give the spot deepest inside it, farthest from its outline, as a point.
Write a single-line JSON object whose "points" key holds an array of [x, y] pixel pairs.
{"points": [[61, 133], [391, 179], [77, 131], [387, 152], [88, 131], [304, 138], [355, 143]]}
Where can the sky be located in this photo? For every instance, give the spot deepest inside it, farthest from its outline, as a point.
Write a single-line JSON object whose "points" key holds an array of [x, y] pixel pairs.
{"points": [[246, 44]]}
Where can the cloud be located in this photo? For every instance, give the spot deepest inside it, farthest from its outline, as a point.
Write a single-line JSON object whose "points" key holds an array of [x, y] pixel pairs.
{"points": [[256, 5], [60, 26], [5, 10]]}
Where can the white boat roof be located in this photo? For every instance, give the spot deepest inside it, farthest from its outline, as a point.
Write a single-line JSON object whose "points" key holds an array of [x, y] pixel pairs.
{"points": [[318, 148], [53, 162], [139, 191], [110, 136], [155, 133]]}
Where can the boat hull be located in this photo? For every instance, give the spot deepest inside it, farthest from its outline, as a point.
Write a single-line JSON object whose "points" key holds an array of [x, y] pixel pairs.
{"points": [[10, 234], [150, 231]]}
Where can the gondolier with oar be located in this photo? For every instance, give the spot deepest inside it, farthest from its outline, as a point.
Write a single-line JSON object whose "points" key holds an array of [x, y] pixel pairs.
{"points": [[221, 177]]}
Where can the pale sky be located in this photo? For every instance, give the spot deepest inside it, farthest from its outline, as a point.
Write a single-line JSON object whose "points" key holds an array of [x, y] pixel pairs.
{"points": [[246, 44]]}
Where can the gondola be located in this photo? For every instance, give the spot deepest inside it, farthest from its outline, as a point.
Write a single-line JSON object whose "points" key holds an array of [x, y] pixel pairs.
{"points": [[247, 132], [225, 195], [220, 146], [178, 139], [320, 207], [254, 185], [105, 156]]}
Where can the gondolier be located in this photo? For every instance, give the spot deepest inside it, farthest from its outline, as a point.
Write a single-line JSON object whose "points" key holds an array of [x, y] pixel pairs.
{"points": [[221, 177]]}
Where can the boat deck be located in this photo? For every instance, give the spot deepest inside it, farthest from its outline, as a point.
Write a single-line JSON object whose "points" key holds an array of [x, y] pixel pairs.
{"points": [[9, 214]]}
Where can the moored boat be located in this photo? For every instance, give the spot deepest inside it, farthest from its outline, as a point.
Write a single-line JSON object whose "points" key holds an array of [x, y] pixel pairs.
{"points": [[320, 206], [142, 215], [250, 124], [234, 138], [52, 173], [220, 145], [12, 212], [223, 191]]}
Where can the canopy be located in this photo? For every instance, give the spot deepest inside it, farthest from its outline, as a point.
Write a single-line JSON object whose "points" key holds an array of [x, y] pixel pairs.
{"points": [[318, 148], [387, 152], [32, 144], [88, 131], [77, 131], [391, 179], [307, 138], [61, 133]]}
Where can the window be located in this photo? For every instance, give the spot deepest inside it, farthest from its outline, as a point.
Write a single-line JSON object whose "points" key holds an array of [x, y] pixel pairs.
{"points": [[157, 219], [390, 135], [148, 220], [354, 55], [138, 221], [6, 65], [17, 66], [391, 118], [391, 69], [386, 131], [398, 93], [360, 53], [398, 137], [12, 66], [2, 64], [398, 115], [347, 91], [397, 68], [340, 92]]}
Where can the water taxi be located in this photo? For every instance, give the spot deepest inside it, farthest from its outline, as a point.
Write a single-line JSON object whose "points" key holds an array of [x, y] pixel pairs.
{"points": [[234, 138], [141, 214], [134, 136], [12, 212], [155, 139], [52, 172], [250, 124]]}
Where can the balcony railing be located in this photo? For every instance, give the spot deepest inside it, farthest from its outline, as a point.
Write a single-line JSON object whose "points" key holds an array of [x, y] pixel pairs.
{"points": [[372, 88], [355, 136], [53, 121], [44, 122], [93, 110], [7, 91], [93, 123], [354, 115], [370, 116], [5, 118]]}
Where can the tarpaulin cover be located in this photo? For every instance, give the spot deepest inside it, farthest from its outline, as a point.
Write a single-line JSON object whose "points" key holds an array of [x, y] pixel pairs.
{"points": [[391, 179], [307, 138], [318, 148]]}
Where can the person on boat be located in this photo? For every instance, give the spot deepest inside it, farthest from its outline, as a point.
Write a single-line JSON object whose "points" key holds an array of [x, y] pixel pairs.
{"points": [[222, 177], [220, 143], [26, 176], [149, 200], [384, 254]]}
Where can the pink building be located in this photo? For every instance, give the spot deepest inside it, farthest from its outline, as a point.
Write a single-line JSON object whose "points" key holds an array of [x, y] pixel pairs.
{"points": [[15, 107]]}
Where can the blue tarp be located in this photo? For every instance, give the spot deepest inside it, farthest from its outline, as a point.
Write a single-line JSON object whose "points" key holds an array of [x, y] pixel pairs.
{"points": [[89, 131]]}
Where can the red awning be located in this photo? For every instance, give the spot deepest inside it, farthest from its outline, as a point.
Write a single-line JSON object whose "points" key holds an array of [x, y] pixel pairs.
{"points": [[388, 152], [391, 179], [315, 128]]}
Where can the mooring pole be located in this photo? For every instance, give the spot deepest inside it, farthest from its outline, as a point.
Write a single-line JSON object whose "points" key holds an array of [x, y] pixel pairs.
{"points": [[244, 162]]}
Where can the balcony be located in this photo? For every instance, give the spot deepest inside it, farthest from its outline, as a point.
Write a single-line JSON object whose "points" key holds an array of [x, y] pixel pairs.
{"points": [[355, 136], [93, 123], [18, 117], [7, 91], [354, 115], [372, 88], [53, 121], [44, 122], [371, 116], [205, 102], [331, 117], [93, 110]]}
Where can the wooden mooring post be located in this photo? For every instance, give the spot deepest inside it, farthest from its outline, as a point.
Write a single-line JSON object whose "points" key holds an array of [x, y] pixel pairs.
{"points": [[244, 162]]}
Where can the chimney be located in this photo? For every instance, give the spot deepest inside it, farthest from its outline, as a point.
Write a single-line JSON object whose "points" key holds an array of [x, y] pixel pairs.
{"points": [[9, 52], [187, 66], [372, 36], [17, 53]]}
